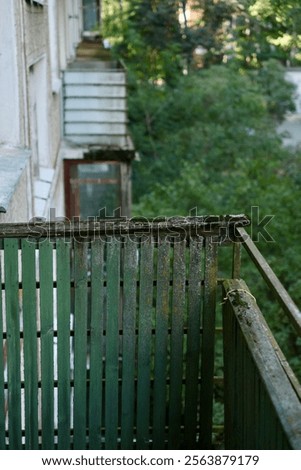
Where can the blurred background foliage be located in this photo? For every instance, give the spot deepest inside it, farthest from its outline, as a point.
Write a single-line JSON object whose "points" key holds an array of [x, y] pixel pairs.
{"points": [[206, 94]]}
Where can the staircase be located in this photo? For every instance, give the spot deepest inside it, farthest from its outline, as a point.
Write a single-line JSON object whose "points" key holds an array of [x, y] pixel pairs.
{"points": [[95, 109]]}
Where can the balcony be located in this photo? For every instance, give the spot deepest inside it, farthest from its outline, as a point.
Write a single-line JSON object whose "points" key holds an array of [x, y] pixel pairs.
{"points": [[97, 143], [129, 338], [95, 99]]}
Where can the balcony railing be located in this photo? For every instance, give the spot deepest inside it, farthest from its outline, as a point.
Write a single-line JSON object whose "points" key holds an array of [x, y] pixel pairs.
{"points": [[112, 331]]}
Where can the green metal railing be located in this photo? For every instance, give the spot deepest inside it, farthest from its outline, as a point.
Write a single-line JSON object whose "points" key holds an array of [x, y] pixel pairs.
{"points": [[262, 408], [275, 286], [108, 333]]}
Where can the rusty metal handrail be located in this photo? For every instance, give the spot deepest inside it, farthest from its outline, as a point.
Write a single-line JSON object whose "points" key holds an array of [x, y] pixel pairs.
{"points": [[256, 370], [220, 227], [271, 279]]}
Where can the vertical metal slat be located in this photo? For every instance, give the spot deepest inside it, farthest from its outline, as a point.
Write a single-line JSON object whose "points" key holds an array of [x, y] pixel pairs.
{"points": [[229, 373], [129, 344], [80, 344], [13, 342], [47, 355], [2, 366], [112, 345], [96, 344], [144, 343], [177, 344], [208, 341], [193, 344], [161, 327], [63, 337], [236, 261], [30, 345]]}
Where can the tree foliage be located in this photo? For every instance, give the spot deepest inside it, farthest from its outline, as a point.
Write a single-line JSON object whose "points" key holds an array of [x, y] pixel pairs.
{"points": [[147, 35], [216, 116], [152, 40], [207, 138], [211, 145], [280, 23]]}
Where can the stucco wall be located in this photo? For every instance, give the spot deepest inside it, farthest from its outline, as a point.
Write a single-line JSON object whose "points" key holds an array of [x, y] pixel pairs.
{"points": [[11, 76], [57, 201], [15, 191], [34, 48]]}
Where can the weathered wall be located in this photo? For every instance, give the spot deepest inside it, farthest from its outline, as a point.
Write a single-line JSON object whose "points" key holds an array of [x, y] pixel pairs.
{"points": [[11, 77], [57, 200], [36, 44], [15, 185]]}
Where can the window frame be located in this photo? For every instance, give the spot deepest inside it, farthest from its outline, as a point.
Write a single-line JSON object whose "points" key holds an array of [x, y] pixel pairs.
{"points": [[36, 2]]}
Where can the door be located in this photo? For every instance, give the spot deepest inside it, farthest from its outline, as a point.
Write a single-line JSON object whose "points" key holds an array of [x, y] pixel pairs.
{"points": [[92, 188], [91, 14]]}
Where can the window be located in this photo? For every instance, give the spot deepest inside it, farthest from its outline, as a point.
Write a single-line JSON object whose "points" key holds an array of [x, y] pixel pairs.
{"points": [[36, 2], [92, 187]]}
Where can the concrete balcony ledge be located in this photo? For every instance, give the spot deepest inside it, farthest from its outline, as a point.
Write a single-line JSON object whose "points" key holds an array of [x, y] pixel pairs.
{"points": [[13, 163]]}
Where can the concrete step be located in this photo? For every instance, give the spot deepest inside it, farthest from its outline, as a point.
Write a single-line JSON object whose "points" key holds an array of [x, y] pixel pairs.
{"points": [[95, 91], [94, 77], [90, 49], [95, 128], [115, 141], [89, 115], [95, 104]]}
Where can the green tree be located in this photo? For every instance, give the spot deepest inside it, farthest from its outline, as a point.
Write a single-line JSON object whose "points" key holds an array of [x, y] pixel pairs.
{"points": [[247, 31], [147, 35], [281, 25], [278, 92], [215, 116], [212, 27], [211, 144], [150, 36], [207, 139], [264, 29]]}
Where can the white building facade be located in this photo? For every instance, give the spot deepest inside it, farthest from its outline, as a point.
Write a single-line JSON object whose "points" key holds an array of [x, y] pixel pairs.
{"points": [[38, 39]]}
